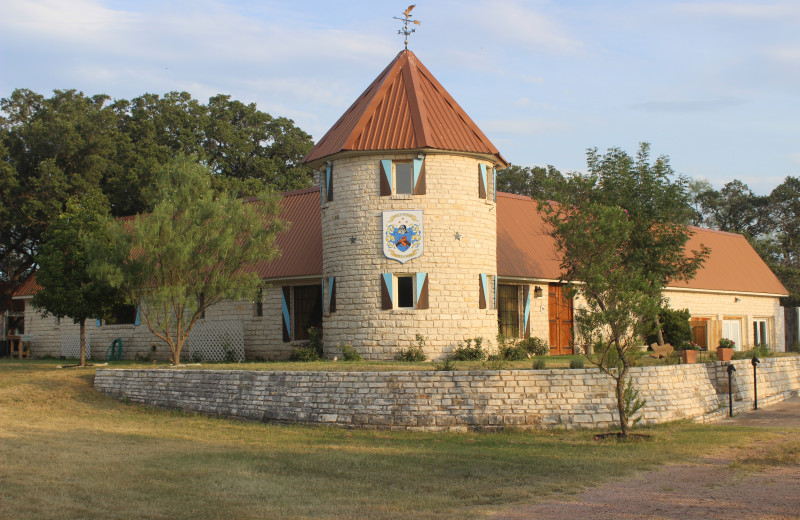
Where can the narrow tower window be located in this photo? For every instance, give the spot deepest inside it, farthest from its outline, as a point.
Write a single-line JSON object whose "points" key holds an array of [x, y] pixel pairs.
{"points": [[404, 179]]}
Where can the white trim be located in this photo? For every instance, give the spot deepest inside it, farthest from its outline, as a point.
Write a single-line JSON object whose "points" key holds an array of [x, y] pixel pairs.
{"points": [[713, 291], [290, 278]]}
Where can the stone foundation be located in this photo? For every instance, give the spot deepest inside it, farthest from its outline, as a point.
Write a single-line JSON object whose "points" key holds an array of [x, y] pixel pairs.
{"points": [[460, 400]]}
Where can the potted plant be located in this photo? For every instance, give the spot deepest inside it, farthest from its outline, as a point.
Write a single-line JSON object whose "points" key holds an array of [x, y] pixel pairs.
{"points": [[689, 351], [725, 349]]}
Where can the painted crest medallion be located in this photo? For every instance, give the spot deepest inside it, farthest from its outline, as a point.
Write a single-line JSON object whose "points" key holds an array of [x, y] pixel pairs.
{"points": [[402, 235]]}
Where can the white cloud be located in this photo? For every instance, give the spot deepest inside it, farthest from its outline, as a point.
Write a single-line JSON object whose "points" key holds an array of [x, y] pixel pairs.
{"points": [[749, 10], [513, 21]]}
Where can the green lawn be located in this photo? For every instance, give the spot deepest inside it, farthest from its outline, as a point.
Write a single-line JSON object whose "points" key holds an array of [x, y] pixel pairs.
{"points": [[69, 452]]}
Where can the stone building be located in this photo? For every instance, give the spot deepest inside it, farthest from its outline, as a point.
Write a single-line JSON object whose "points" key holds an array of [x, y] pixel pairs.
{"points": [[404, 234]]}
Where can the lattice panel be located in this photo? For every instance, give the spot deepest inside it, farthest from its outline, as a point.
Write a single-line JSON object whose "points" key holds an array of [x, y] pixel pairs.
{"points": [[71, 346], [216, 341]]}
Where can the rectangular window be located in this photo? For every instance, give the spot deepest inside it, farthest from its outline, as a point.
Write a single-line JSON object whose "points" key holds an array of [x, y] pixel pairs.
{"points": [[508, 310], [403, 178], [405, 292], [760, 333], [731, 330], [122, 315], [307, 309], [259, 303]]}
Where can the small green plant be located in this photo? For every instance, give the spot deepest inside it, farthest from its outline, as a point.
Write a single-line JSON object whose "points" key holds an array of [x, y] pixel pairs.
{"points": [[539, 363], [535, 346], [688, 345], [228, 354], [632, 402], [143, 356], [726, 343], [414, 353], [495, 362], [196, 356], [304, 353], [349, 353], [448, 365], [315, 341], [467, 352], [576, 363], [795, 347]]}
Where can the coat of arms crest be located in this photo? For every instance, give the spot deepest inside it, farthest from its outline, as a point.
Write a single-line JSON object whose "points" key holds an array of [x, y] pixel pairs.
{"points": [[402, 235]]}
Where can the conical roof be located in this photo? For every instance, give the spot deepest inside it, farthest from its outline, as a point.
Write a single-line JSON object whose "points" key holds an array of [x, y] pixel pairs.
{"points": [[405, 108]]}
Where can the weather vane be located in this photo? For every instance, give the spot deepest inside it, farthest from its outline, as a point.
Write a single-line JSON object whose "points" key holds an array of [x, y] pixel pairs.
{"points": [[407, 20]]}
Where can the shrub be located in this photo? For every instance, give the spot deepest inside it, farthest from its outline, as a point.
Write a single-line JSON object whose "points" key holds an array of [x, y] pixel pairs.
{"points": [[414, 353], [535, 346], [349, 353], [576, 363], [539, 363], [304, 353], [512, 352], [675, 326], [446, 366], [467, 352], [315, 341]]}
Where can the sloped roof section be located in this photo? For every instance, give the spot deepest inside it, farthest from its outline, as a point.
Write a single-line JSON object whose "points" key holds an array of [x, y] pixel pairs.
{"points": [[526, 250], [28, 288], [405, 108], [301, 244]]}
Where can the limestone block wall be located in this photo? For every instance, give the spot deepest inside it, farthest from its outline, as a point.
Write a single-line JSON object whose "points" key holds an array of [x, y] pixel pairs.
{"points": [[744, 308], [263, 336], [431, 400], [353, 254]]}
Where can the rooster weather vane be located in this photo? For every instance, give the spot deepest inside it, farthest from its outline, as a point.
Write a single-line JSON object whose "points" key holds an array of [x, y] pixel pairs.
{"points": [[405, 31]]}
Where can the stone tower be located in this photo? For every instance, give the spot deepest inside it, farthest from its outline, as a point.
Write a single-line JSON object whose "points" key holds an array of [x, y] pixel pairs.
{"points": [[409, 228]]}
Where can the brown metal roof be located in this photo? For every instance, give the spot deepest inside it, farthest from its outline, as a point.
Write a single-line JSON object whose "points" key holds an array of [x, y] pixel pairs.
{"points": [[525, 250], [404, 108], [301, 244]]}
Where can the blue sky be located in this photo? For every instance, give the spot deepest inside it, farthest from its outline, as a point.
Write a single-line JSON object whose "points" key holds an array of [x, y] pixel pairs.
{"points": [[714, 85]]}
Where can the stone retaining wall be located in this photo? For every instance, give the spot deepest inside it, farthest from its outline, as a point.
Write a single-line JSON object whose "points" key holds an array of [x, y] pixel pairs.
{"points": [[461, 400]]}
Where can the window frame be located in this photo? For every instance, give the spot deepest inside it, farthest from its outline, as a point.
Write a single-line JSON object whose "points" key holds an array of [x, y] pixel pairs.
{"points": [[517, 312]]}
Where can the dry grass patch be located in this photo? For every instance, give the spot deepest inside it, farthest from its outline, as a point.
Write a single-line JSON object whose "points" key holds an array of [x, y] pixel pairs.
{"points": [[67, 451]]}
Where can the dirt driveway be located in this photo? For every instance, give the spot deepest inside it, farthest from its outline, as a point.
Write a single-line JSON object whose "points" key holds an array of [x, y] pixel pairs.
{"points": [[713, 488]]}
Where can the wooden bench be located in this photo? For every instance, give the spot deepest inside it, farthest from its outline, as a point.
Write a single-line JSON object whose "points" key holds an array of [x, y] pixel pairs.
{"points": [[659, 351]]}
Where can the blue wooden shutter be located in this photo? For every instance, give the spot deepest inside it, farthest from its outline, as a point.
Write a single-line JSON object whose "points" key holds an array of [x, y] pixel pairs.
{"points": [[386, 177], [99, 323], [482, 181], [138, 320], [419, 176], [329, 181], [332, 294], [286, 305], [526, 297], [386, 291], [321, 190], [422, 291], [494, 183], [482, 287]]}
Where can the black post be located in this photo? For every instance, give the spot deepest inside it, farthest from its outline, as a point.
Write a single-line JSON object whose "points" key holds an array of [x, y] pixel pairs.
{"points": [[731, 370], [755, 361]]}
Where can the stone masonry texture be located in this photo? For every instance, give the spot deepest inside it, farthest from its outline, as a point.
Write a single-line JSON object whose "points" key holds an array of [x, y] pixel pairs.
{"points": [[459, 400]]}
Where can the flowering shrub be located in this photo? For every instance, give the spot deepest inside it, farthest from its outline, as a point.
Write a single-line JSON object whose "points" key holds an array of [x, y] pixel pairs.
{"points": [[726, 343], [689, 345]]}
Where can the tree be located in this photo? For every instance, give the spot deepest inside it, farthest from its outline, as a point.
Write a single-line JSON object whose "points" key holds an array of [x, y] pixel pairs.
{"points": [[656, 203], [535, 182], [195, 249], [69, 289], [779, 244], [735, 209], [621, 300]]}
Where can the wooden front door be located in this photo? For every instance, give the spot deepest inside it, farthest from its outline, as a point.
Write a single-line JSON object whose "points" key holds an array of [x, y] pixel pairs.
{"points": [[699, 331], [560, 312]]}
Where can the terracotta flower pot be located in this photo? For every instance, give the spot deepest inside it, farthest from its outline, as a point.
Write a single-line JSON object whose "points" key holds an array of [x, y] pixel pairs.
{"points": [[724, 354], [689, 356]]}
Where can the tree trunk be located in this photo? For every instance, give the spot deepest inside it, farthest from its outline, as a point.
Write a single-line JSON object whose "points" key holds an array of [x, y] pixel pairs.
{"points": [[623, 418], [83, 342], [659, 334]]}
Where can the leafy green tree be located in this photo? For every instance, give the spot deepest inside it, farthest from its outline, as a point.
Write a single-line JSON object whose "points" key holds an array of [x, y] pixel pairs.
{"points": [[656, 203], [195, 249], [535, 182], [621, 300], [735, 208], [69, 289], [779, 245], [52, 149]]}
